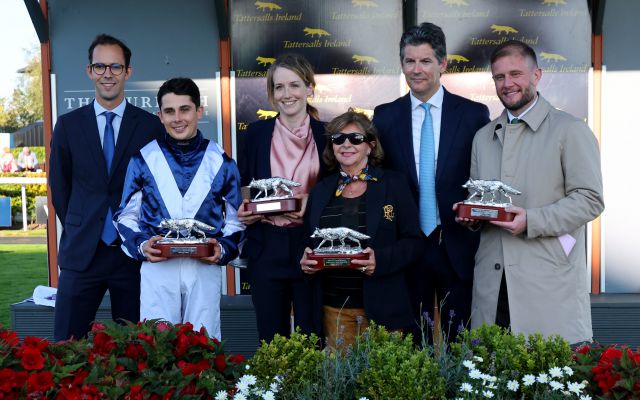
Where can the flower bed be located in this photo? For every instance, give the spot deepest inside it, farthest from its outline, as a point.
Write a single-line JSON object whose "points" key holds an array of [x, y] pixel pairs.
{"points": [[156, 360]]}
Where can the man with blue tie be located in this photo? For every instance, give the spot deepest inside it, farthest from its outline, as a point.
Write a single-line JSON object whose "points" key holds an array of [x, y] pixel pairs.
{"points": [[90, 151], [427, 134]]}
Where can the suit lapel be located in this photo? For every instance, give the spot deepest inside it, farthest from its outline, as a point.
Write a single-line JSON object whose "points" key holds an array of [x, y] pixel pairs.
{"points": [[127, 128], [448, 131], [375, 201], [405, 138], [92, 137]]}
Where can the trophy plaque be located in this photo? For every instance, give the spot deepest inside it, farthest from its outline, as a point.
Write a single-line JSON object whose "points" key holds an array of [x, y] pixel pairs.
{"points": [[487, 201], [280, 200], [185, 244], [338, 256]]}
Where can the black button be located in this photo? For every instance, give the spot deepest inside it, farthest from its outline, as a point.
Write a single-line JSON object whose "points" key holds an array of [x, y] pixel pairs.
{"points": [[497, 266]]}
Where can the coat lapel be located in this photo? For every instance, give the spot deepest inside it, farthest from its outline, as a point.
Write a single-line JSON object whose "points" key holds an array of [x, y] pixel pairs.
{"points": [[404, 138], [375, 201], [92, 137], [448, 131]]}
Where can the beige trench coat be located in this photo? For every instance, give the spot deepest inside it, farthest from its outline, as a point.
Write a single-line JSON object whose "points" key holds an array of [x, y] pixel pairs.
{"points": [[554, 160]]}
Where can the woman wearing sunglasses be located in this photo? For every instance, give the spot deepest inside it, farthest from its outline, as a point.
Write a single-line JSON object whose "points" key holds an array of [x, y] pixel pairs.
{"points": [[374, 201], [287, 146]]}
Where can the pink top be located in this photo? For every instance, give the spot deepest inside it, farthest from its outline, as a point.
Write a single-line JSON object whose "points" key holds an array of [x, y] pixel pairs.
{"points": [[294, 156]]}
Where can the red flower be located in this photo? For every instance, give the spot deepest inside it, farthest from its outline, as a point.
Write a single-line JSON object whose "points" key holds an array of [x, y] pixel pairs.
{"points": [[142, 366], [134, 351], [188, 368], [9, 337], [98, 326], [146, 338], [135, 393], [163, 326], [32, 359], [34, 342], [584, 349], [6, 380], [237, 359], [103, 344], [40, 381], [220, 362]]}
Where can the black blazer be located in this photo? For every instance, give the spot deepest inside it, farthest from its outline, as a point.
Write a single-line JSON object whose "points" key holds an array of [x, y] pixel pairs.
{"points": [[81, 189], [255, 163], [395, 238], [461, 119]]}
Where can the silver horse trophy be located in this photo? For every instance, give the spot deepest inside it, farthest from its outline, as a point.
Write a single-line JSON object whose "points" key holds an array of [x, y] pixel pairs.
{"points": [[185, 237], [274, 196], [487, 200], [338, 255]]}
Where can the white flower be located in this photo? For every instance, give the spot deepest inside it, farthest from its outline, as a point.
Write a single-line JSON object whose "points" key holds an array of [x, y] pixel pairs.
{"points": [[273, 387], [248, 379], [555, 372], [478, 358], [239, 396], [242, 387], [363, 398], [585, 397], [488, 394], [247, 367], [575, 387], [466, 387], [268, 396], [513, 385], [469, 364], [555, 385], [567, 371], [543, 378], [528, 380], [221, 395], [475, 374]]}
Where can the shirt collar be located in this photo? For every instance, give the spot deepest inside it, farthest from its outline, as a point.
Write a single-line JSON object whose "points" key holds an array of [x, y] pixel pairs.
{"points": [[511, 116], [118, 110], [435, 100]]}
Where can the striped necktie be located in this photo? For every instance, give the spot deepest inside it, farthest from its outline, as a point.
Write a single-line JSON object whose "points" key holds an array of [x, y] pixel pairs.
{"points": [[109, 233], [427, 178]]}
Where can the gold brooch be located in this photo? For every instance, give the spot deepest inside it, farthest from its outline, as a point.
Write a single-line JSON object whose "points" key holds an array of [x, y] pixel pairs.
{"points": [[388, 212]]}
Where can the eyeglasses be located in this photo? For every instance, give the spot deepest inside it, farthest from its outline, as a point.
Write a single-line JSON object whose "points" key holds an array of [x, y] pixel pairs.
{"points": [[354, 138], [100, 68]]}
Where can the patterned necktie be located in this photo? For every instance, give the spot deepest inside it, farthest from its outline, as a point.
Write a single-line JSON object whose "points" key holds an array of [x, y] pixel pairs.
{"points": [[427, 178], [346, 179], [515, 121], [109, 233]]}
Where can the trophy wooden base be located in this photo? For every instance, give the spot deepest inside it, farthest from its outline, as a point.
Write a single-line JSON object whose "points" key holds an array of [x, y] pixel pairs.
{"points": [[335, 260], [484, 212], [275, 206], [195, 250]]}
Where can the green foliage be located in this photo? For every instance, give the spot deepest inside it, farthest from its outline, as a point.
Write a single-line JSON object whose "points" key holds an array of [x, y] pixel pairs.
{"points": [[396, 370], [295, 360], [25, 105]]}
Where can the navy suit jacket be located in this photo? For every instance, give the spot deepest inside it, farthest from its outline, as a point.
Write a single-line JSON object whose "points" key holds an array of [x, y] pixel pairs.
{"points": [[461, 119], [395, 238], [81, 188], [255, 163]]}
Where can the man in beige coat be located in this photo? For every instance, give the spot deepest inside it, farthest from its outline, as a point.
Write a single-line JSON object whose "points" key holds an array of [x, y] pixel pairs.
{"points": [[531, 273]]}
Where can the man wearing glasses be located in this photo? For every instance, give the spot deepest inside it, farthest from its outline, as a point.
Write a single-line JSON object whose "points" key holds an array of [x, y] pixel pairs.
{"points": [[90, 151]]}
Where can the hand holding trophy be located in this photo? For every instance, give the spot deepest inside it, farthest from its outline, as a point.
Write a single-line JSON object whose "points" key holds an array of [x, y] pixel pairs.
{"points": [[487, 201], [185, 244], [280, 200], [338, 256]]}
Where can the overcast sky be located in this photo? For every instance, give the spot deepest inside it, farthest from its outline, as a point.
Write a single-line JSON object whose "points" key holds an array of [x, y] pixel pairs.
{"points": [[17, 37]]}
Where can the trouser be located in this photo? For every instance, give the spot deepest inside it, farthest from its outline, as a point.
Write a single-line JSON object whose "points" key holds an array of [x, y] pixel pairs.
{"points": [[181, 290], [342, 326]]}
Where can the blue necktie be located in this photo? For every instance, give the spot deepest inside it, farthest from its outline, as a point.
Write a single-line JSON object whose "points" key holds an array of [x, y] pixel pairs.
{"points": [[109, 233], [427, 179]]}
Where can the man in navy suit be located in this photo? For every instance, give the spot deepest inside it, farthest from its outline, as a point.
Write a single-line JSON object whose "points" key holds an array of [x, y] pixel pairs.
{"points": [[436, 169], [90, 151]]}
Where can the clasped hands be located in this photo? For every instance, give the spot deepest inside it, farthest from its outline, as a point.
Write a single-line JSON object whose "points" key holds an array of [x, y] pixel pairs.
{"points": [[368, 266], [515, 227], [153, 254]]}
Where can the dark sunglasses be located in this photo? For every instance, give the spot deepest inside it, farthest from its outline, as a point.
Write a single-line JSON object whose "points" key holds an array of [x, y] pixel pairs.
{"points": [[354, 138]]}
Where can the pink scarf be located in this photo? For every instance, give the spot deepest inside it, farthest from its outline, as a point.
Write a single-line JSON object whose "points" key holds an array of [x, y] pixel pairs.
{"points": [[294, 156]]}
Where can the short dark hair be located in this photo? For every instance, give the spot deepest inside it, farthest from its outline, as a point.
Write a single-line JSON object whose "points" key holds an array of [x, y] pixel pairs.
{"points": [[104, 39], [370, 134], [511, 47], [299, 65], [428, 33], [180, 86]]}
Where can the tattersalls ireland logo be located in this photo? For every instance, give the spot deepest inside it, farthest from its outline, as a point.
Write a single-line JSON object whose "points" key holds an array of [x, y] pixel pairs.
{"points": [[456, 58], [364, 3], [554, 2], [552, 56], [264, 61], [357, 58], [315, 31], [264, 6], [264, 114], [458, 3], [499, 29]]}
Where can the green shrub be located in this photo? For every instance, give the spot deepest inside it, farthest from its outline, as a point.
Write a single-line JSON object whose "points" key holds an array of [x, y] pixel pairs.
{"points": [[396, 370], [14, 191], [296, 360]]}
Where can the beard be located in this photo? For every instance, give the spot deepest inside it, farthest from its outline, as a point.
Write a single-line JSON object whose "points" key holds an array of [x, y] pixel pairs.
{"points": [[528, 95]]}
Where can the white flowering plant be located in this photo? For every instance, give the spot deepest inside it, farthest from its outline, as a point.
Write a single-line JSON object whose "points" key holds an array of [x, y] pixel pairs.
{"points": [[247, 388]]}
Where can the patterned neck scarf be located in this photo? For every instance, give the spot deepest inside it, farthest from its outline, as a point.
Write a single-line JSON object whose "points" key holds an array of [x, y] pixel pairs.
{"points": [[346, 179]]}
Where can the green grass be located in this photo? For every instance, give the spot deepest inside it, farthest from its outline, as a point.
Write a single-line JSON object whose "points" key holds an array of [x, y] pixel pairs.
{"points": [[22, 268], [21, 233]]}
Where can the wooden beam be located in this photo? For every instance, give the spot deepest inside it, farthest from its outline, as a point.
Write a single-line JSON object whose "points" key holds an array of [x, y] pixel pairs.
{"points": [[596, 232]]}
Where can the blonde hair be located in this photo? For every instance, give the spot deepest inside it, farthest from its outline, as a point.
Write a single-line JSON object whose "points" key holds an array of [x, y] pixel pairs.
{"points": [[301, 67]]}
